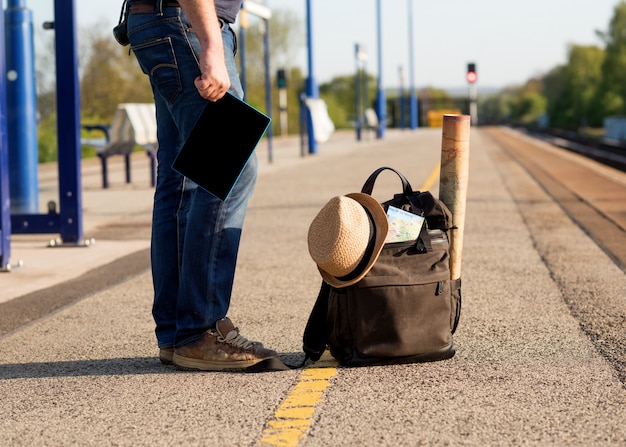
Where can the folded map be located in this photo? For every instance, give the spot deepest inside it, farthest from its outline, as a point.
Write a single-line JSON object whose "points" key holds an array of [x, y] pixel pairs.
{"points": [[403, 226]]}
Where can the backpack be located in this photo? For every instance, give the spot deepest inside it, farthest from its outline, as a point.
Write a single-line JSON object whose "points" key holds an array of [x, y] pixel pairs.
{"points": [[406, 309]]}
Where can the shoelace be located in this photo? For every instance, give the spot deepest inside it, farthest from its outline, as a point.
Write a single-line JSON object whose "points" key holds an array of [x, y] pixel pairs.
{"points": [[235, 339]]}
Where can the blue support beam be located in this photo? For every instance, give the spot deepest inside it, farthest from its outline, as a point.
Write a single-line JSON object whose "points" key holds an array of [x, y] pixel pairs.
{"points": [[5, 203], [68, 222], [21, 102], [68, 124]]}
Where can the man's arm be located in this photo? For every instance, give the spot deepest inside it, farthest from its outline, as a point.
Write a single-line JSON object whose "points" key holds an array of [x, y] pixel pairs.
{"points": [[214, 82]]}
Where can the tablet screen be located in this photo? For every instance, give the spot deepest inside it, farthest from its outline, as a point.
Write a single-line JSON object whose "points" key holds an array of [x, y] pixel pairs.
{"points": [[220, 144]]}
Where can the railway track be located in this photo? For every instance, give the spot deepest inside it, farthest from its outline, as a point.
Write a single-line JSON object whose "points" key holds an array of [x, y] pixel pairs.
{"points": [[593, 197], [612, 154]]}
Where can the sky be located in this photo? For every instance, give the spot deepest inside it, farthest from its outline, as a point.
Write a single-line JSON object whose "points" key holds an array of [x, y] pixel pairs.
{"points": [[509, 42]]}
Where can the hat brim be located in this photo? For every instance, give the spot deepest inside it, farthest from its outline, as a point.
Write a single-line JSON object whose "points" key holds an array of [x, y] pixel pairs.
{"points": [[381, 225]]}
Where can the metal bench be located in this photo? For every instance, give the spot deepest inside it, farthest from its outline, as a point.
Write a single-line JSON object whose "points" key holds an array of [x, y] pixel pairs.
{"points": [[134, 124]]}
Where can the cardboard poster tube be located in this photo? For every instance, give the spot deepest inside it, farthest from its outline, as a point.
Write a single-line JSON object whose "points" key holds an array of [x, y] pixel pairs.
{"points": [[453, 181]]}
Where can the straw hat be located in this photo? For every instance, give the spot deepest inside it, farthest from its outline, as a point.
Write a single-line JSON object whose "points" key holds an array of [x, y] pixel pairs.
{"points": [[346, 238]]}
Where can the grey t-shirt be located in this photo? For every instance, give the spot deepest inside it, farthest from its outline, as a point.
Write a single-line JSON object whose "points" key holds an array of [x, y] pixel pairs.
{"points": [[228, 9]]}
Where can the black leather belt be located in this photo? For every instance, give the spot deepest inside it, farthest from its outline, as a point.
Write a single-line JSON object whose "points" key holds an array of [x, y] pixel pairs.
{"points": [[148, 7], [166, 3]]}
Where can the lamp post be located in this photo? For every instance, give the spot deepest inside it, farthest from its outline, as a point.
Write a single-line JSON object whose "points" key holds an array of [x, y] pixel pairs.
{"points": [[381, 102], [472, 77], [413, 121], [264, 13], [311, 89]]}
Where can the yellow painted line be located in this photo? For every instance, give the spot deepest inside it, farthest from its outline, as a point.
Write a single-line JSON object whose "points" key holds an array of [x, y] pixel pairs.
{"points": [[431, 179], [294, 416]]}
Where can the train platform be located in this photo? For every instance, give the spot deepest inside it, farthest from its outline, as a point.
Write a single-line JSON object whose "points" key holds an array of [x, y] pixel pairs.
{"points": [[78, 358]]}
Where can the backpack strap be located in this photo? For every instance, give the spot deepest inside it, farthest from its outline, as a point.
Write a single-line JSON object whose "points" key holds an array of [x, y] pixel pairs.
{"points": [[316, 330], [368, 186]]}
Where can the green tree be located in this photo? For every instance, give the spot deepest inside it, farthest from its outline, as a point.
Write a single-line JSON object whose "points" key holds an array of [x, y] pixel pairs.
{"points": [[526, 104], [528, 107], [437, 98], [553, 86], [577, 86], [340, 97], [611, 94], [495, 108]]}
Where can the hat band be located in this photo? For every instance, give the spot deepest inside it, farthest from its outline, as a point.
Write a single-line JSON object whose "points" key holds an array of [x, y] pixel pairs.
{"points": [[369, 251]]}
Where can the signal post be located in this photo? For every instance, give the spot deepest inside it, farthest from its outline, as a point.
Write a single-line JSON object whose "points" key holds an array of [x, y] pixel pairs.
{"points": [[472, 77], [281, 83]]}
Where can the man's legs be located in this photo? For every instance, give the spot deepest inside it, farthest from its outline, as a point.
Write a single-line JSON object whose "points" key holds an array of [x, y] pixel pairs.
{"points": [[203, 231], [195, 237]]}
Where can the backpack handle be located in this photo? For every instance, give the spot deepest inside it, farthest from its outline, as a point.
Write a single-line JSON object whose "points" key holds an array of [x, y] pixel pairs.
{"points": [[368, 187]]}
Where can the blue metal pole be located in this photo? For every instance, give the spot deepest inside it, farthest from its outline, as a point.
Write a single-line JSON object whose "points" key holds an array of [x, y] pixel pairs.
{"points": [[413, 121], [21, 103], [68, 122], [5, 202], [381, 102], [311, 90]]}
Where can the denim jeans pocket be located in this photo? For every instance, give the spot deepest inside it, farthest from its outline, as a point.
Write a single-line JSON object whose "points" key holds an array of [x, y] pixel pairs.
{"points": [[158, 60]]}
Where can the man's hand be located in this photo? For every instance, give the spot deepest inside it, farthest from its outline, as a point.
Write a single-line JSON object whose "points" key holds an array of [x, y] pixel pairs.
{"points": [[214, 81]]}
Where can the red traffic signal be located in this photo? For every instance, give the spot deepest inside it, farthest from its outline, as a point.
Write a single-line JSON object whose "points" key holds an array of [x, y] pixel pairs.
{"points": [[471, 73]]}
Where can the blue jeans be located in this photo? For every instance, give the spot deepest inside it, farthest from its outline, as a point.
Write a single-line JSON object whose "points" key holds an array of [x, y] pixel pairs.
{"points": [[195, 236]]}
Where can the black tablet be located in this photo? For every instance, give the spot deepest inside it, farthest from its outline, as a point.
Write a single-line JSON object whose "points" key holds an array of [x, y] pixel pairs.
{"points": [[221, 144]]}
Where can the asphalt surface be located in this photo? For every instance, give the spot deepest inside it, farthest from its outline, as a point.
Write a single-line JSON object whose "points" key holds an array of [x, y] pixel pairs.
{"points": [[84, 370]]}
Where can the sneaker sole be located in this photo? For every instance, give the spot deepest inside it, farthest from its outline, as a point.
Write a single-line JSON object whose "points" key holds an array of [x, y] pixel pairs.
{"points": [[166, 356], [191, 364]]}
